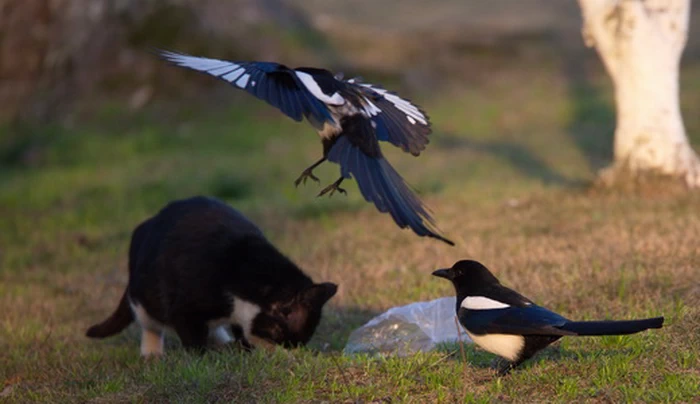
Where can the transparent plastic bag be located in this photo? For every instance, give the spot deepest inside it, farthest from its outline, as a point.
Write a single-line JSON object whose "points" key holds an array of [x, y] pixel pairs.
{"points": [[416, 327]]}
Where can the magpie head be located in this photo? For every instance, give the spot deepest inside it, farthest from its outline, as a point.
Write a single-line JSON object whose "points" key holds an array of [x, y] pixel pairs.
{"points": [[467, 274]]}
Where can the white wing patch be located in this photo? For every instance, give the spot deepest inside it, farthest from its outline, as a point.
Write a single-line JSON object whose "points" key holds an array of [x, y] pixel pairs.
{"points": [[482, 303], [230, 77], [315, 90], [215, 67], [243, 81], [370, 109], [413, 114]]}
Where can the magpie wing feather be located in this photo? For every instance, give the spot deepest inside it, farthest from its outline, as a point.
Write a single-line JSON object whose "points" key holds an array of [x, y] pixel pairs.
{"points": [[530, 320], [398, 121], [271, 82], [358, 154]]}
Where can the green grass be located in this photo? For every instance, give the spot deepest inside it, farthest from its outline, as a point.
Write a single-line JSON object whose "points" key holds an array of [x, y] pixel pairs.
{"points": [[507, 174]]}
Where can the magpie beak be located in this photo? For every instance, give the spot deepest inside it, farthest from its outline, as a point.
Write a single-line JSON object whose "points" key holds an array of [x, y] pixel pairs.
{"points": [[443, 273], [506, 323]]}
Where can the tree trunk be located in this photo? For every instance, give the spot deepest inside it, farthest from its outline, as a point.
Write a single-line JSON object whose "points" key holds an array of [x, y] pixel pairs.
{"points": [[640, 43]]}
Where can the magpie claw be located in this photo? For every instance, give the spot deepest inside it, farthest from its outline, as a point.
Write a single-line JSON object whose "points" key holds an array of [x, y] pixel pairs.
{"points": [[331, 189], [305, 175], [505, 369]]}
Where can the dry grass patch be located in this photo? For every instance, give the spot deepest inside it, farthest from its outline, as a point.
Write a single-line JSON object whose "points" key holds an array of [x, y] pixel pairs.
{"points": [[508, 187]]}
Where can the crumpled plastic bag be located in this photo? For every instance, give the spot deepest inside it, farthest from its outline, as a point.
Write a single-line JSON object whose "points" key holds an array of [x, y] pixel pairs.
{"points": [[416, 327]]}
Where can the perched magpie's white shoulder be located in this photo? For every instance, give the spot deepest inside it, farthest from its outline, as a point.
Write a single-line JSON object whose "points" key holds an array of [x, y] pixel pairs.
{"points": [[482, 303]]}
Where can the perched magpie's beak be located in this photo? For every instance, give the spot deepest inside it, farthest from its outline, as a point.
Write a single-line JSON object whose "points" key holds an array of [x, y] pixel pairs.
{"points": [[443, 273]]}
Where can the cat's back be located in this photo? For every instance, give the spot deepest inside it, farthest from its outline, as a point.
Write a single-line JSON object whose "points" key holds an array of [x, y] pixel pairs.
{"points": [[202, 214], [188, 227], [194, 216]]}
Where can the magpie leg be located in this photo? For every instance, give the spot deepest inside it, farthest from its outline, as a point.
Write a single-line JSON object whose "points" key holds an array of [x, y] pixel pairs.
{"points": [[508, 366], [308, 173], [332, 188], [505, 369]]}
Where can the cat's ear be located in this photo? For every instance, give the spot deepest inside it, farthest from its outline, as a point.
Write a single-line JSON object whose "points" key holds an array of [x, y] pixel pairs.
{"points": [[318, 294]]}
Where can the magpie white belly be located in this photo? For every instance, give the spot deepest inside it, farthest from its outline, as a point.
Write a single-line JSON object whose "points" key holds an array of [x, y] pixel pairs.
{"points": [[507, 346], [329, 131]]}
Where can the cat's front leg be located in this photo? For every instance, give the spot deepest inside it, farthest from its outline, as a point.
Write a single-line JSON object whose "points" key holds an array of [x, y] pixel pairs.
{"points": [[193, 334], [237, 332]]}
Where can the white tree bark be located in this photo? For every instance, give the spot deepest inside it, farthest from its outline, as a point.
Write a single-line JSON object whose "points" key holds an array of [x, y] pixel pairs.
{"points": [[640, 43]]}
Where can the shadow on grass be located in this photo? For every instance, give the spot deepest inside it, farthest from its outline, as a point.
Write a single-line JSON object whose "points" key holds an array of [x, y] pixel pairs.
{"points": [[516, 155], [592, 122]]}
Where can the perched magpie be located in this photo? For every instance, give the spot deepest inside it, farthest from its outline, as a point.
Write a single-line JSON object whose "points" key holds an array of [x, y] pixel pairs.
{"points": [[506, 323], [351, 117]]}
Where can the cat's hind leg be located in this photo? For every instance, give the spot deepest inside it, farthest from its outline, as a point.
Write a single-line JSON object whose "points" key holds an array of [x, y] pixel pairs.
{"points": [[151, 332], [151, 342]]}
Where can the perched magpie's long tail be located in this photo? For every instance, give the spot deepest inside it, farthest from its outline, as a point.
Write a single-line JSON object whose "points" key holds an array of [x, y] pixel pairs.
{"points": [[380, 184], [119, 320], [612, 327]]}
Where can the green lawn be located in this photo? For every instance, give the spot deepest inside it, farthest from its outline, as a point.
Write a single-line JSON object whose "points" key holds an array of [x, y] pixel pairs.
{"points": [[507, 174]]}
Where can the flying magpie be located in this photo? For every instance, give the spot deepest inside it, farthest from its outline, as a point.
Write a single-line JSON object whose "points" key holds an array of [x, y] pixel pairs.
{"points": [[506, 323], [351, 117]]}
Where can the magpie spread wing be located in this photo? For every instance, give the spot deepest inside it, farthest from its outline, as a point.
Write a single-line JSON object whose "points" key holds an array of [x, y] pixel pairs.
{"points": [[397, 120], [290, 91], [530, 320]]}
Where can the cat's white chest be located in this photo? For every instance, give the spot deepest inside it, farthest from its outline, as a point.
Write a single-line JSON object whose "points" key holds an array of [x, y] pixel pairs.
{"points": [[244, 313]]}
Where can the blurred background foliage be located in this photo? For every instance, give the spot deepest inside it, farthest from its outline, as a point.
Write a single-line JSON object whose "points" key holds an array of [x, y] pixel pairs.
{"points": [[61, 56]]}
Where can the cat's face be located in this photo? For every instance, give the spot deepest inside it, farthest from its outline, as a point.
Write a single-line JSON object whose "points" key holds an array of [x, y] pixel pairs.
{"points": [[292, 323]]}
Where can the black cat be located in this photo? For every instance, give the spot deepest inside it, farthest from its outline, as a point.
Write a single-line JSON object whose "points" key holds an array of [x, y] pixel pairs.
{"points": [[201, 268]]}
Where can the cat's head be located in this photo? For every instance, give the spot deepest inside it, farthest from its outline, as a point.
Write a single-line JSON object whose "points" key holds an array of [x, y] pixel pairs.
{"points": [[293, 322]]}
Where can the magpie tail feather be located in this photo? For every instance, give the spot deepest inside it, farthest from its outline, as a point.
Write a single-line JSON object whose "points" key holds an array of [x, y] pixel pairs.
{"points": [[612, 327], [380, 184]]}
